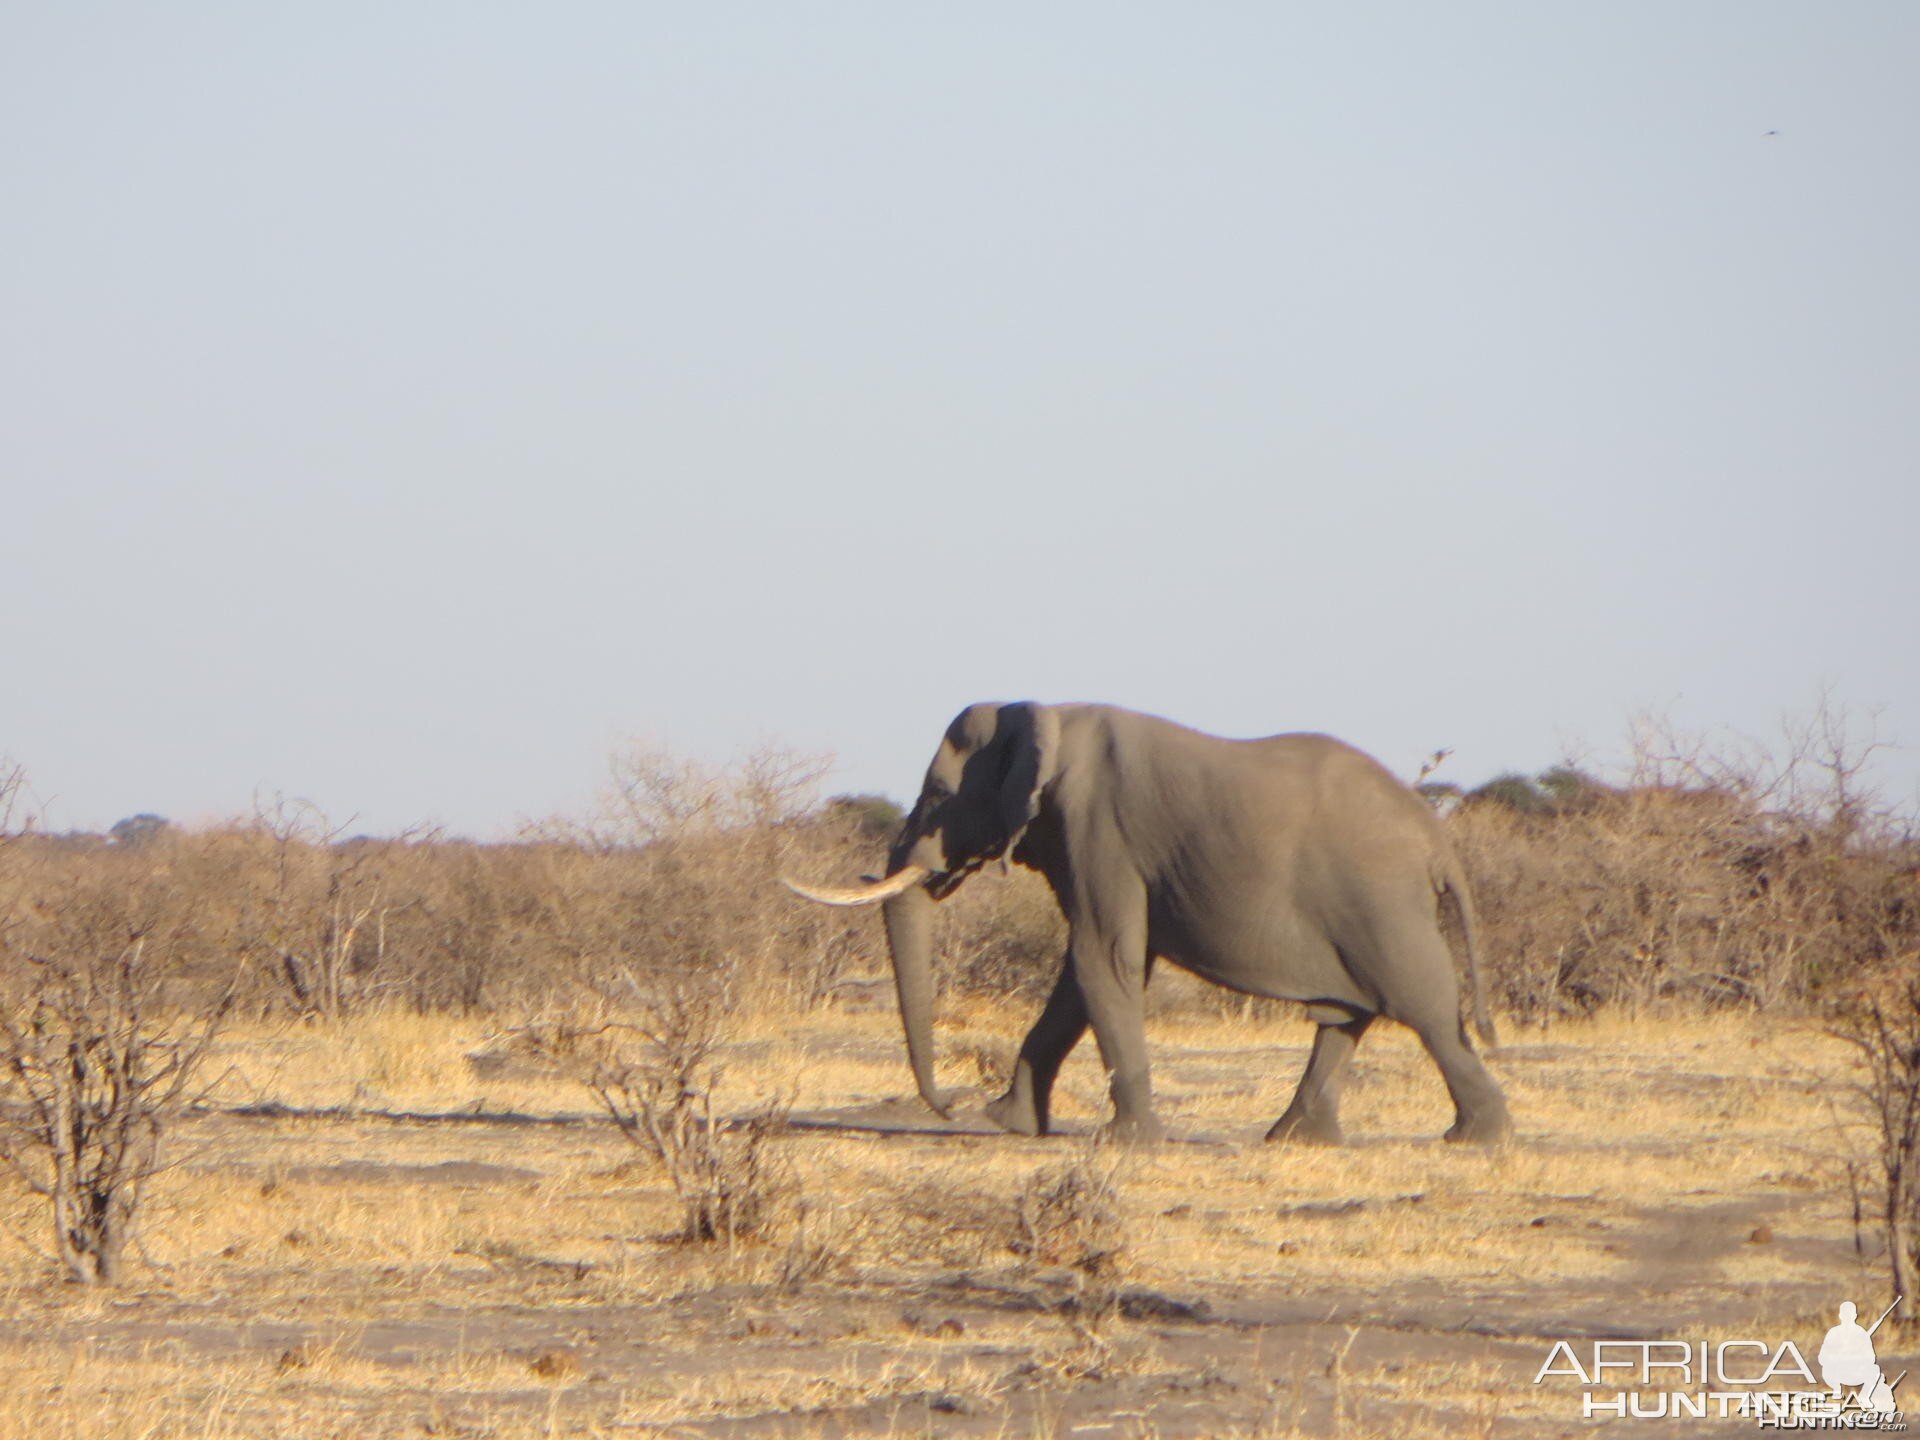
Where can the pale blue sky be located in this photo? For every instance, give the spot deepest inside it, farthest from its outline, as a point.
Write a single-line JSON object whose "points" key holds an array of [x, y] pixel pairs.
{"points": [[399, 405]]}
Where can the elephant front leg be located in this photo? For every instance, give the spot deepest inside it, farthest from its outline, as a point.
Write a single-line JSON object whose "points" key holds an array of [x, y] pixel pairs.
{"points": [[1112, 971], [1313, 1116], [1024, 1109]]}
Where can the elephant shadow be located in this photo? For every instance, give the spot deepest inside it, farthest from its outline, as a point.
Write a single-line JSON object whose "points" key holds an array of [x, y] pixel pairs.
{"points": [[906, 1117]]}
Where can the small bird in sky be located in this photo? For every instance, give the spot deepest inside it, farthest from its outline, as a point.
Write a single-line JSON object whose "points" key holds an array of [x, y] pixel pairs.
{"points": [[1770, 132]]}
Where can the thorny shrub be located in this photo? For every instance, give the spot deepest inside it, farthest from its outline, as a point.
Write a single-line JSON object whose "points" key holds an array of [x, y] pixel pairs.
{"points": [[676, 868], [1069, 1218], [1002, 935], [97, 1054], [1711, 876], [1883, 1026], [656, 1077]]}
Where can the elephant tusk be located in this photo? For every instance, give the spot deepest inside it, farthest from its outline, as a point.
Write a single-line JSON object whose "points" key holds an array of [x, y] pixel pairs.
{"points": [[904, 878]]}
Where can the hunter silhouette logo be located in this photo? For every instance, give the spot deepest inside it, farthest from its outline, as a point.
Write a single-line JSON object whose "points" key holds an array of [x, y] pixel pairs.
{"points": [[1847, 1359], [1768, 1383]]}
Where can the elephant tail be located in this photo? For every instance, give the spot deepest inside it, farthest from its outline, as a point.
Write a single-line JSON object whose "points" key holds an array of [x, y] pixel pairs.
{"points": [[1451, 883]]}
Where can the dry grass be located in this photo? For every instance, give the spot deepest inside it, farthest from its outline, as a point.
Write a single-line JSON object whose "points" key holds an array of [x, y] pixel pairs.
{"points": [[351, 1274]]}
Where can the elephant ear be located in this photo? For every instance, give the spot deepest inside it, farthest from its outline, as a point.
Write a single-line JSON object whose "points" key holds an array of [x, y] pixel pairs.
{"points": [[1031, 735]]}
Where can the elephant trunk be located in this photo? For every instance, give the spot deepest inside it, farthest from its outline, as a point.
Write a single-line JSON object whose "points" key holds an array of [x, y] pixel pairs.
{"points": [[909, 917]]}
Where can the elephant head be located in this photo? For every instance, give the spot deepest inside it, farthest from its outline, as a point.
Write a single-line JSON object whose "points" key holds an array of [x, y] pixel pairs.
{"points": [[982, 790]]}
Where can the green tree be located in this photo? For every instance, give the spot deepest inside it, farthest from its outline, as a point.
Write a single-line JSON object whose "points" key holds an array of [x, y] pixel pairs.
{"points": [[137, 830], [874, 816], [1515, 791]]}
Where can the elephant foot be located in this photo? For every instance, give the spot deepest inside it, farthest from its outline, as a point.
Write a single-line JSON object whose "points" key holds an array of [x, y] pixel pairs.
{"points": [[1017, 1115], [1483, 1127], [1307, 1129]]}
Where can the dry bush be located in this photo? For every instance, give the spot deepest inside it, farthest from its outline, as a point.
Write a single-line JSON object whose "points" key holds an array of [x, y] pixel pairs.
{"points": [[695, 853], [1070, 1218], [824, 1240], [1002, 935], [945, 1220], [655, 795], [478, 931], [677, 871], [1710, 876], [656, 1078], [319, 907], [13, 787], [95, 1056], [1884, 1028]]}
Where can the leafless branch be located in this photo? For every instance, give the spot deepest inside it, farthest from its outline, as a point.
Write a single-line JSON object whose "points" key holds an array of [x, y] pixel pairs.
{"points": [[94, 1065]]}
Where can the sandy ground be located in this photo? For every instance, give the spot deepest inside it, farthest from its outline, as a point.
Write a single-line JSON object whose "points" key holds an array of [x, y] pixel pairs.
{"points": [[405, 1227]]}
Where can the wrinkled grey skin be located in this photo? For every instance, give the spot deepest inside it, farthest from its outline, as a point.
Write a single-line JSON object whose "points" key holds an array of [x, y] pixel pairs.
{"points": [[1293, 867]]}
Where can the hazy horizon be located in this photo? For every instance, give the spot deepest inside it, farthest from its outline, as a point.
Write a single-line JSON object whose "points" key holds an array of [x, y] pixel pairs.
{"points": [[401, 409]]}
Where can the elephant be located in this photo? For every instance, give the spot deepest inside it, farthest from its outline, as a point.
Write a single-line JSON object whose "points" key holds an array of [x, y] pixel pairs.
{"points": [[1293, 866]]}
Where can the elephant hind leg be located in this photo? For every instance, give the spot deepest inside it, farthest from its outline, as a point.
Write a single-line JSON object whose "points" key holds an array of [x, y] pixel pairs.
{"points": [[1479, 1105], [1422, 992], [1313, 1115]]}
